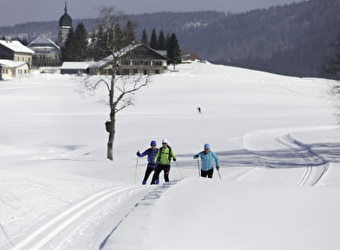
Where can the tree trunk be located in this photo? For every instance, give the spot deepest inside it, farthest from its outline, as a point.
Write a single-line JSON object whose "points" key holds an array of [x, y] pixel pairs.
{"points": [[112, 116], [111, 138]]}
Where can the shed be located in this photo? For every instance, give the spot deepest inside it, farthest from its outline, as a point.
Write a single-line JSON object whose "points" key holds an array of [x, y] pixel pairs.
{"points": [[75, 67]]}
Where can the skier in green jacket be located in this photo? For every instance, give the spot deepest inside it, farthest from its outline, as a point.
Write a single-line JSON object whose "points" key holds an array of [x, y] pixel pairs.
{"points": [[162, 159]]}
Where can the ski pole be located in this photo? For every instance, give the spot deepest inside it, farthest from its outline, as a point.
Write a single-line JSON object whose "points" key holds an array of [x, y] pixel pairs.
{"points": [[180, 171], [219, 175], [198, 168], [136, 171]]}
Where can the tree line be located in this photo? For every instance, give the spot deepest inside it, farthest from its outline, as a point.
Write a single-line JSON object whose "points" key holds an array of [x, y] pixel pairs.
{"points": [[80, 46], [294, 39]]}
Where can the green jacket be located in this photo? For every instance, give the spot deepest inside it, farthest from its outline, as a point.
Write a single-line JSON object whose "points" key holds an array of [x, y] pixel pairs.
{"points": [[164, 155]]}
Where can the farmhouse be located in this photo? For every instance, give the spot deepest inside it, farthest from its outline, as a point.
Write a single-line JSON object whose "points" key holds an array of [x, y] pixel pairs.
{"points": [[16, 51], [133, 59]]}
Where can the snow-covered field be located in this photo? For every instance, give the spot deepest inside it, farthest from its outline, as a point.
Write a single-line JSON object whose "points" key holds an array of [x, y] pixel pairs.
{"points": [[276, 138]]}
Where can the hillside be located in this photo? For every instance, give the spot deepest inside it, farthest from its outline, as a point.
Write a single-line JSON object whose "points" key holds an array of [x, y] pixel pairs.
{"points": [[275, 137], [293, 39]]}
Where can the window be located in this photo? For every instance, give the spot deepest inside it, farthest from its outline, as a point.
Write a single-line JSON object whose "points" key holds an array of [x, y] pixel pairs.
{"points": [[157, 63], [126, 71], [126, 62]]}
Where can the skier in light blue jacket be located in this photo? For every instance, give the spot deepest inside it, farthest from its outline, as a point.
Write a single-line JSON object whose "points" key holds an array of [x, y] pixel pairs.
{"points": [[208, 157]]}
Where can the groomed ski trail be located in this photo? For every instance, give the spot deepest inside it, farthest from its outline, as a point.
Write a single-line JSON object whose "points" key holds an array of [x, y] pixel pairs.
{"points": [[315, 167], [138, 218], [280, 141], [54, 232]]}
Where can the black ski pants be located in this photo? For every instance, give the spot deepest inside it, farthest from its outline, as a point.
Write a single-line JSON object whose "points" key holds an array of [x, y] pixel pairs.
{"points": [[148, 171], [208, 173], [158, 170]]}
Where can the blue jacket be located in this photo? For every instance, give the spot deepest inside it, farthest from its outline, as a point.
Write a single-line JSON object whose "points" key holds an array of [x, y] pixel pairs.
{"points": [[151, 153], [207, 160]]}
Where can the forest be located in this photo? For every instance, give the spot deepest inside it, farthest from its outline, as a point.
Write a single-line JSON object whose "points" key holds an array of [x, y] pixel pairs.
{"points": [[295, 39]]}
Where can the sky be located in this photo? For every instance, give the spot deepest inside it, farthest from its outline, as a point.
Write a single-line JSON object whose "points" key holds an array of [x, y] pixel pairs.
{"points": [[17, 11], [276, 137]]}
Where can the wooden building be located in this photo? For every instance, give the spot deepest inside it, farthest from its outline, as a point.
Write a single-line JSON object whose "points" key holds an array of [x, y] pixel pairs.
{"points": [[133, 59]]}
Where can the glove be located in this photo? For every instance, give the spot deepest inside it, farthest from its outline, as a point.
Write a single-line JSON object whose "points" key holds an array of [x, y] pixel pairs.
{"points": [[217, 167], [138, 154], [174, 159], [196, 156]]}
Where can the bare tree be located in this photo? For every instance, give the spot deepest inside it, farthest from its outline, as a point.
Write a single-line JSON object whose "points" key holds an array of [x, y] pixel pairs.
{"points": [[120, 87]]}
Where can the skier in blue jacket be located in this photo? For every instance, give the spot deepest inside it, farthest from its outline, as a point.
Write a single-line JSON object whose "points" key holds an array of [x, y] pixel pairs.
{"points": [[208, 157], [151, 153]]}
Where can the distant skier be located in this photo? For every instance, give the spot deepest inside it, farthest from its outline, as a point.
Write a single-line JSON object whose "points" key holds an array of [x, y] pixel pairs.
{"points": [[208, 157], [162, 159], [199, 110], [151, 153]]}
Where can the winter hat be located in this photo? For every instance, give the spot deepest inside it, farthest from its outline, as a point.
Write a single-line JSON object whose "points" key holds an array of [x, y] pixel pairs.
{"points": [[153, 143], [206, 146], [165, 141]]}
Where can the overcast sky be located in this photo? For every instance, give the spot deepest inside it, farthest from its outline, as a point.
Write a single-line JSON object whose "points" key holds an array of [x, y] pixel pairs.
{"points": [[20, 11]]}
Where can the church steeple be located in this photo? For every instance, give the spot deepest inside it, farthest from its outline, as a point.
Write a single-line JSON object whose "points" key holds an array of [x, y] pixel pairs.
{"points": [[65, 20], [65, 24]]}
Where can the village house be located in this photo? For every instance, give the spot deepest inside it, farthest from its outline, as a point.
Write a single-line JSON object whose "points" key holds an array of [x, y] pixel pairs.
{"points": [[16, 51], [133, 59], [10, 69], [190, 58], [47, 53]]}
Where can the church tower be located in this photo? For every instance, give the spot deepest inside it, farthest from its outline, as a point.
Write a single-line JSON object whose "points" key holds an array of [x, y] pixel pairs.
{"points": [[65, 24]]}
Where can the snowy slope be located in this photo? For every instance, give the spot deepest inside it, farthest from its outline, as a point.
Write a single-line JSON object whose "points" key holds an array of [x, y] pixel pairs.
{"points": [[276, 138]]}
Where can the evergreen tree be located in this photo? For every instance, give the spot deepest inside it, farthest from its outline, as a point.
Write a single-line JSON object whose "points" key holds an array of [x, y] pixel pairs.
{"points": [[144, 38], [76, 45], [129, 33], [99, 45], [69, 47], [118, 38], [173, 50], [81, 43], [332, 66], [153, 40], [161, 41]]}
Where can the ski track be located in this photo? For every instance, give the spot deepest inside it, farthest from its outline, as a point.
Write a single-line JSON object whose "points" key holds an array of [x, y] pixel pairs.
{"points": [[70, 218], [316, 166], [142, 206]]}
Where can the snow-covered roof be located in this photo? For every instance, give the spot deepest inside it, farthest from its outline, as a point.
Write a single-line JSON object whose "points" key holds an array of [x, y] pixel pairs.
{"points": [[120, 53], [75, 65], [16, 46], [42, 41], [117, 54], [11, 64]]}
